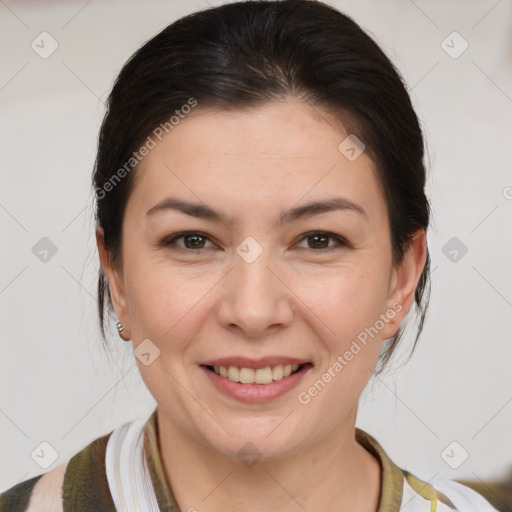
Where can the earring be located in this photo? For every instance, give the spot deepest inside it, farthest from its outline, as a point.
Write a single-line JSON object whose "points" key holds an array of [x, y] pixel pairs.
{"points": [[120, 328]]}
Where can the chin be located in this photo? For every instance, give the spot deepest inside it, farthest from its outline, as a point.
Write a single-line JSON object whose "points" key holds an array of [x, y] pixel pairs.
{"points": [[253, 440]]}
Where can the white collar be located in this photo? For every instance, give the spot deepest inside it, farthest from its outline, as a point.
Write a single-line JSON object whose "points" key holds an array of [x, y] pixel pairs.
{"points": [[127, 471]]}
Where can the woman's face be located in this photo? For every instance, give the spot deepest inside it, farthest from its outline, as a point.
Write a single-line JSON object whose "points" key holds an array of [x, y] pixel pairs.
{"points": [[254, 282]]}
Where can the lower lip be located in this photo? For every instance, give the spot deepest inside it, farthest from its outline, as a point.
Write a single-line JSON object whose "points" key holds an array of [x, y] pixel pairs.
{"points": [[254, 393]]}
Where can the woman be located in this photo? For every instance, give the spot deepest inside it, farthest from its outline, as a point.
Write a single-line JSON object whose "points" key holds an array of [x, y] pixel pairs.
{"points": [[261, 227]]}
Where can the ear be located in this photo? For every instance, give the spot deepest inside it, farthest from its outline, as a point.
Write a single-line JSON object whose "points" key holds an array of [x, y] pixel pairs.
{"points": [[403, 282], [115, 282]]}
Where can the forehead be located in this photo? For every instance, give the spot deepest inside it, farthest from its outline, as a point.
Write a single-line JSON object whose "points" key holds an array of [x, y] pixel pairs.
{"points": [[280, 154]]}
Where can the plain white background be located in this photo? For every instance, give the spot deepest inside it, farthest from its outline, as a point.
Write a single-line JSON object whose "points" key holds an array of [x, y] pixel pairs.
{"points": [[57, 383]]}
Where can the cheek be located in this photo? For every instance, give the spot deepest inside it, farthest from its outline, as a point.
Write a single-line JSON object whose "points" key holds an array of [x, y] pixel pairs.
{"points": [[350, 306], [348, 300], [164, 303]]}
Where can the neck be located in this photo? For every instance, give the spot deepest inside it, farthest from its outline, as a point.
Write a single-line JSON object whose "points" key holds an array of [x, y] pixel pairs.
{"points": [[336, 473]]}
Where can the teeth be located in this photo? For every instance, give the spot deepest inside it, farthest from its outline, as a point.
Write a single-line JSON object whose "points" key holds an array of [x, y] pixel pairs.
{"points": [[278, 372], [260, 376], [233, 373], [246, 375]]}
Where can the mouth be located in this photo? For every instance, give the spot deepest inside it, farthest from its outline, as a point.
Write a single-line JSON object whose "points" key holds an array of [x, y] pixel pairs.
{"points": [[258, 384], [260, 376]]}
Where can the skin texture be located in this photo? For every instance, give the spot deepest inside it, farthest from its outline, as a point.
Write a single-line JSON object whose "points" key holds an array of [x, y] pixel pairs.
{"points": [[295, 299]]}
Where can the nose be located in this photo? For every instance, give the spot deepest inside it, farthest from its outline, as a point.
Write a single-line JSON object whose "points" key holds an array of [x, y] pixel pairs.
{"points": [[256, 296]]}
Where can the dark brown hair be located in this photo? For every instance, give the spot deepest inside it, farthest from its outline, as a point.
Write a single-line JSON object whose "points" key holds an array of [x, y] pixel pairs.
{"points": [[249, 53]]}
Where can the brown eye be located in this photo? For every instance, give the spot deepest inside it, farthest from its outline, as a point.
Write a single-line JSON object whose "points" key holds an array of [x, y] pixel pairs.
{"points": [[319, 240], [194, 240]]}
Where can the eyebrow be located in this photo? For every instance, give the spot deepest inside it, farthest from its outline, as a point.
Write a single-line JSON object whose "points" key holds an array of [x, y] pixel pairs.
{"points": [[203, 211]]}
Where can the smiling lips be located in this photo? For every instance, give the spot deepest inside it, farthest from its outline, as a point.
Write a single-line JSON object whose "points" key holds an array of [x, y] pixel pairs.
{"points": [[256, 376], [251, 371]]}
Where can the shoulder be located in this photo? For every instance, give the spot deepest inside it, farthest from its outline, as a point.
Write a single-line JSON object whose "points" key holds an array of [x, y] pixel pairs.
{"points": [[78, 484], [463, 497], [42, 492], [447, 495], [401, 489]]}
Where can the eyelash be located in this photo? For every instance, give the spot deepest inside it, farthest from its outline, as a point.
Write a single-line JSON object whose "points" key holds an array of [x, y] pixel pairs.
{"points": [[341, 242]]}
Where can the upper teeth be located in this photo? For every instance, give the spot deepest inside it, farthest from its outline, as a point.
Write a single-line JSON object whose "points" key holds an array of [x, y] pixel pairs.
{"points": [[260, 376]]}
